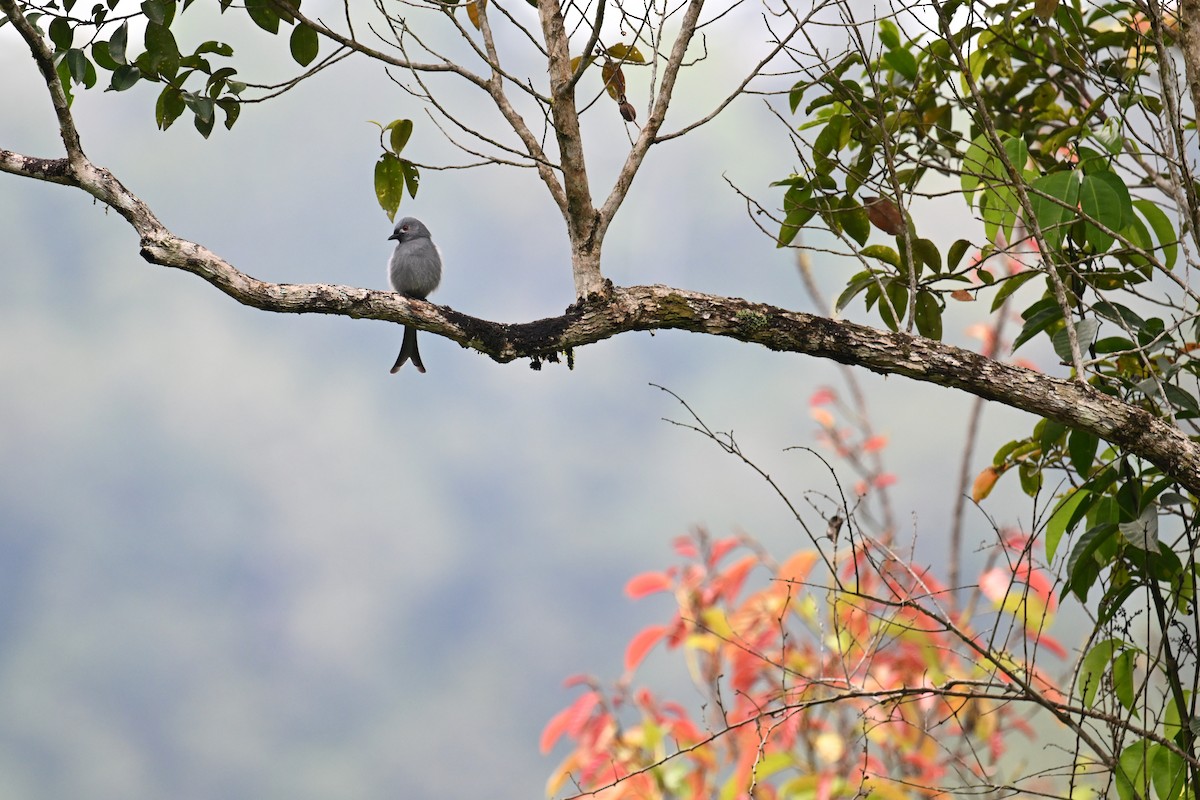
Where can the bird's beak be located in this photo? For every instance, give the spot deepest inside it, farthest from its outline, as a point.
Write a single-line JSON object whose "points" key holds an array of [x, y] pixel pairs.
{"points": [[394, 236]]}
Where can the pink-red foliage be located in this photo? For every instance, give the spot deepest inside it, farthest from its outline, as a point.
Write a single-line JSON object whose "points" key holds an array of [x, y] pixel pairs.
{"points": [[864, 685]]}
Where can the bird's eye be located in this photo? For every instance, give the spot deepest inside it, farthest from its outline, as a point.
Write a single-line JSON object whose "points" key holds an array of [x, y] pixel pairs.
{"points": [[404, 228]]}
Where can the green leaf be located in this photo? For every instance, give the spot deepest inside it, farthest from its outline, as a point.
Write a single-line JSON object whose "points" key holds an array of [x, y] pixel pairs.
{"points": [[897, 299], [1130, 774], [889, 34], [204, 124], [116, 45], [1082, 566], [1119, 215], [156, 11], [161, 50], [1064, 519], [955, 253], [1098, 201], [401, 130], [999, 207], [389, 183], [1168, 773], [1093, 667], [64, 80], [124, 77], [102, 58], [1122, 678], [304, 45], [169, 106], [81, 69], [926, 252], [1085, 333], [883, 253], [1164, 231], [201, 106], [903, 62], [856, 285], [928, 315], [412, 177], [219, 48], [855, 221], [1038, 317], [264, 15], [1082, 445], [1187, 404], [232, 109], [1054, 199], [1010, 285], [61, 33]]}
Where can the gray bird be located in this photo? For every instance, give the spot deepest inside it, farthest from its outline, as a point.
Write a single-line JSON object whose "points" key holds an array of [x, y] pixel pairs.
{"points": [[414, 270]]}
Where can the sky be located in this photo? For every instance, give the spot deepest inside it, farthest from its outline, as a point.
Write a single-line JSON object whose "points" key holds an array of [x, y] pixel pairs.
{"points": [[238, 558]]}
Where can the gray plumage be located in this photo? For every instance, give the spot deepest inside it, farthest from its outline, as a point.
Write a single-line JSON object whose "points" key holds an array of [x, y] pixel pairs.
{"points": [[415, 270]]}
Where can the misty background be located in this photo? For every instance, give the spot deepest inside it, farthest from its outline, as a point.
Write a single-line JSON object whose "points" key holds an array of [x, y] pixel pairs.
{"points": [[238, 559]]}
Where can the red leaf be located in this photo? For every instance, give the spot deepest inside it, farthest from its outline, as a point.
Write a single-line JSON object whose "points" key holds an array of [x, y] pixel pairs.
{"points": [[730, 581], [570, 721], [719, 549], [684, 546], [874, 443], [822, 396], [648, 583], [641, 644]]}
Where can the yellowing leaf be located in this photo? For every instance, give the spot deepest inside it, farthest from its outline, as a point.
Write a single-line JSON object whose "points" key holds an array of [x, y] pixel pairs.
{"points": [[1045, 8], [614, 79], [984, 483], [626, 52], [475, 12]]}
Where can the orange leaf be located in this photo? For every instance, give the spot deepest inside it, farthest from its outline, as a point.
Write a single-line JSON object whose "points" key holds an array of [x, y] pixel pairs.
{"points": [[797, 567], [474, 10], [962, 295], [823, 417], [642, 644], [731, 580], [984, 483], [648, 583]]}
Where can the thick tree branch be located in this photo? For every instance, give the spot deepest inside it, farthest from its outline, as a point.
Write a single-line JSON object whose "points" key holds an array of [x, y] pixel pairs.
{"points": [[648, 308]]}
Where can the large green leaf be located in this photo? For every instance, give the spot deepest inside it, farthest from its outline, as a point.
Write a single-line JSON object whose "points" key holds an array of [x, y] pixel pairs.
{"points": [[263, 14], [1054, 198], [304, 45], [928, 315], [1038, 317], [1063, 519], [1164, 231], [389, 183], [399, 130], [1100, 202]]}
